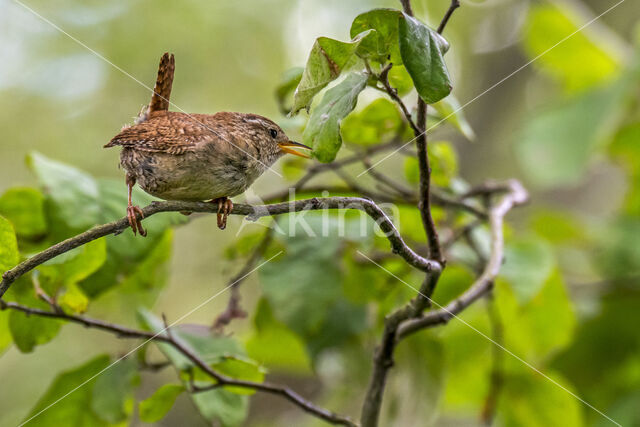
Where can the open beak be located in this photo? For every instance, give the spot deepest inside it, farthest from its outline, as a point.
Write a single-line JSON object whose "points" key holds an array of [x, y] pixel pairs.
{"points": [[284, 146]]}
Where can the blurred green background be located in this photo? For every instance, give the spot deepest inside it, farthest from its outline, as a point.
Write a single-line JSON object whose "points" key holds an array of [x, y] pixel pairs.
{"points": [[568, 126]]}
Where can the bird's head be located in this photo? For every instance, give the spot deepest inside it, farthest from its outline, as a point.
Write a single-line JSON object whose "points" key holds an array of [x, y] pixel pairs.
{"points": [[271, 137]]}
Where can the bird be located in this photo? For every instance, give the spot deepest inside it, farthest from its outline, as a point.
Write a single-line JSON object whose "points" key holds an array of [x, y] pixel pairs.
{"points": [[196, 157]]}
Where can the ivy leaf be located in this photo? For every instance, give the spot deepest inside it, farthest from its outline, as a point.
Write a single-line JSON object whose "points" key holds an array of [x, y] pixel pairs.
{"points": [[328, 58], [66, 405], [24, 207], [154, 408], [422, 51], [323, 130], [383, 43]]}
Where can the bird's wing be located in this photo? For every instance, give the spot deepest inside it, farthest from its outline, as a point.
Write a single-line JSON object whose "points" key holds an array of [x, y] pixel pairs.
{"points": [[162, 90], [168, 132]]}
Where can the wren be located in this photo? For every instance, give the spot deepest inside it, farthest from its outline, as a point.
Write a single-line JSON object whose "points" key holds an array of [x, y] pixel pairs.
{"points": [[195, 157]]}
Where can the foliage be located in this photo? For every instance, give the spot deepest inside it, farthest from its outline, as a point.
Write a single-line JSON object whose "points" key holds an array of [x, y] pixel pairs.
{"points": [[320, 308]]}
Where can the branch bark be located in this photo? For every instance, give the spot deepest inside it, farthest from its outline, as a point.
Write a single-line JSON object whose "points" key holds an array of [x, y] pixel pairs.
{"points": [[167, 337], [253, 213], [482, 285]]}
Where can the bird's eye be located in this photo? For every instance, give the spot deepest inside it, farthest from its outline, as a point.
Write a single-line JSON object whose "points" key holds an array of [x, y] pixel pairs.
{"points": [[274, 133]]}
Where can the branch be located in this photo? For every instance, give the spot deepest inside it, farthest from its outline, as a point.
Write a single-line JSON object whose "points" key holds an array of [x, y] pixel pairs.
{"points": [[253, 213], [233, 310], [517, 196], [454, 5], [168, 338], [408, 319], [393, 93]]}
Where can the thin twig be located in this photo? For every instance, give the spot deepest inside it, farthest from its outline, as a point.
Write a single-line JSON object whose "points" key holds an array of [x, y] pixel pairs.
{"points": [[221, 379], [452, 7]]}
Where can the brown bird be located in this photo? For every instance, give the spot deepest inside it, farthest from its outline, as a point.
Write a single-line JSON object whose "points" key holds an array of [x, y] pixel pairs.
{"points": [[195, 157]]}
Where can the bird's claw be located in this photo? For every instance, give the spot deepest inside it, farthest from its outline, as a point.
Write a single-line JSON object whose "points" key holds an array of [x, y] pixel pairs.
{"points": [[136, 223], [225, 206]]}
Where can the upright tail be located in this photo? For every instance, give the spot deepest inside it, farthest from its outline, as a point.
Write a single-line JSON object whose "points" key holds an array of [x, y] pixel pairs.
{"points": [[162, 90]]}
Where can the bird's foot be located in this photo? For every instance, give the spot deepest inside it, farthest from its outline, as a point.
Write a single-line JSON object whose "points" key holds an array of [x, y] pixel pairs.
{"points": [[134, 222], [225, 206]]}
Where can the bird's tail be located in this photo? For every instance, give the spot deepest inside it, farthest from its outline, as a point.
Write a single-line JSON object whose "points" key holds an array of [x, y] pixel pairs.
{"points": [[162, 90]]}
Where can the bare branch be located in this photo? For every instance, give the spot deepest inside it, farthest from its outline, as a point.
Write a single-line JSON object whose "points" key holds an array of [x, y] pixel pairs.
{"points": [[253, 213]]}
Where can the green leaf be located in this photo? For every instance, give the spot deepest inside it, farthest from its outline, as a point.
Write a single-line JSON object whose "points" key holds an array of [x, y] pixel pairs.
{"points": [[66, 403], [240, 368], [382, 44], [323, 130], [454, 280], [420, 372], [24, 207], [449, 109], [5, 333], [73, 299], [400, 79], [539, 328], [602, 360], [154, 408], [422, 51], [222, 406], [412, 170], [113, 398], [528, 263], [9, 255], [547, 24], [328, 58], [444, 164], [562, 138], [27, 332], [626, 151], [530, 400], [304, 286], [378, 122], [219, 404], [73, 193], [288, 83], [275, 345], [77, 264], [557, 227], [210, 348]]}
